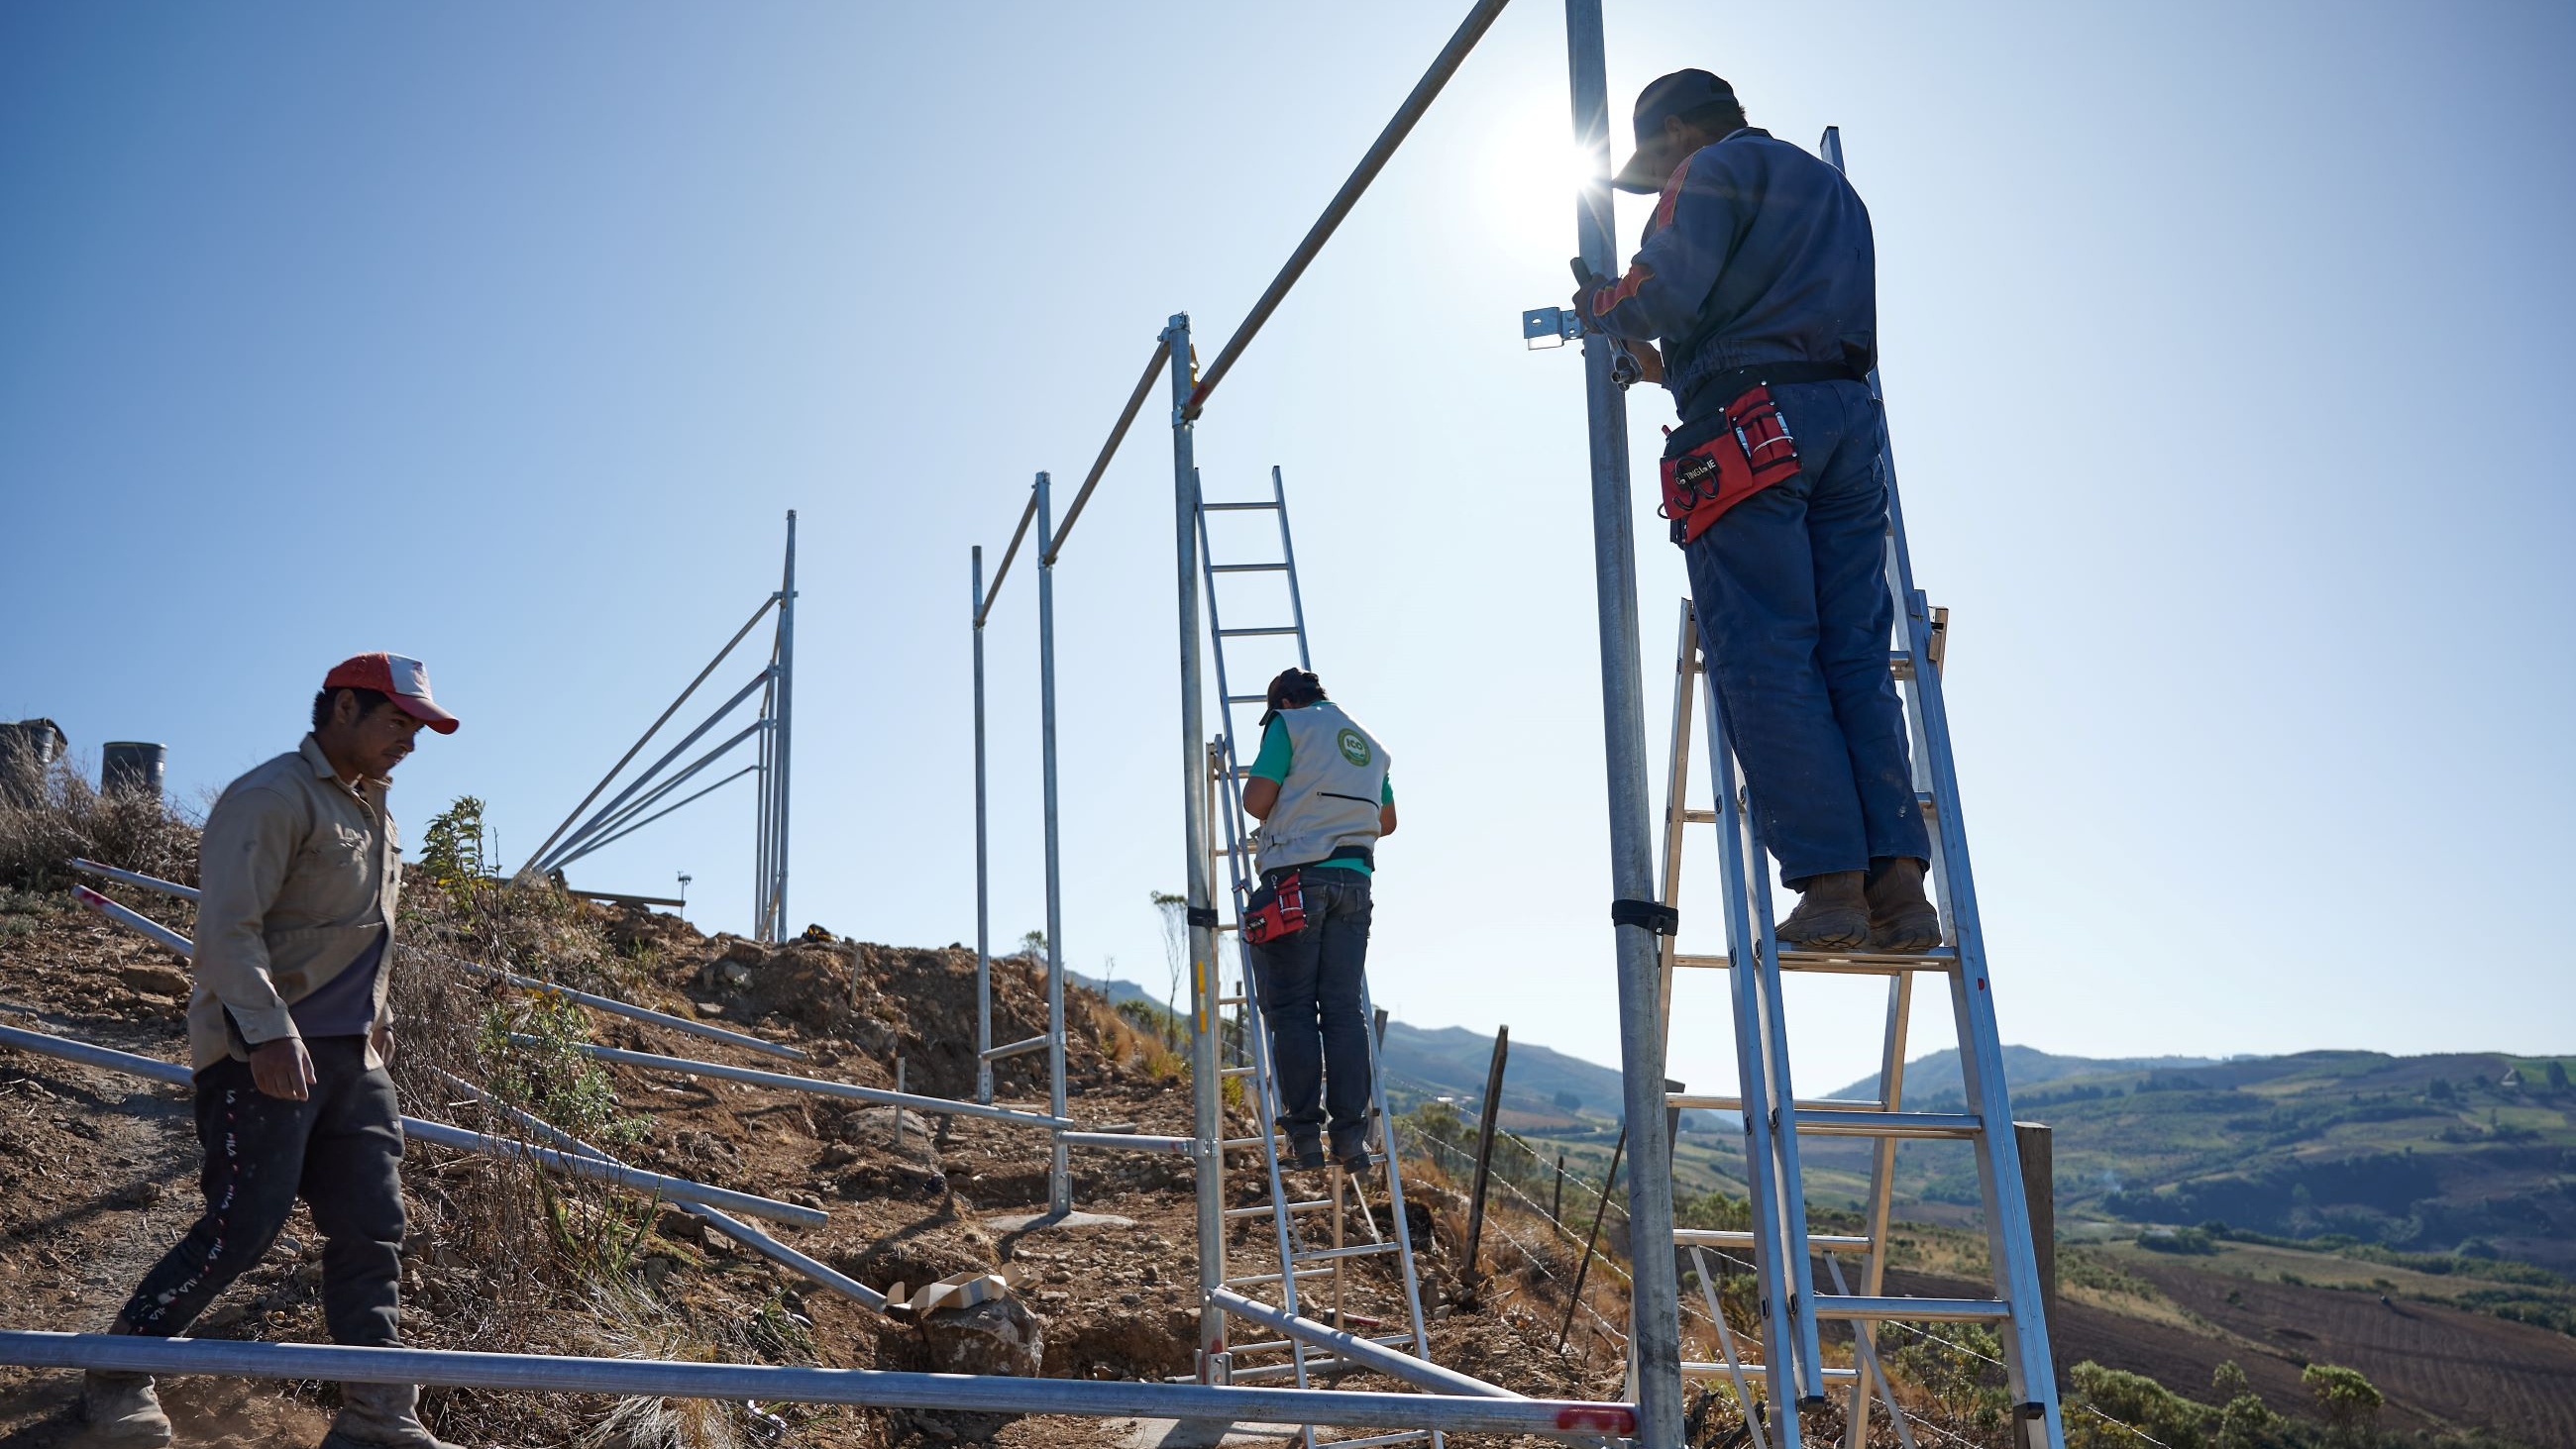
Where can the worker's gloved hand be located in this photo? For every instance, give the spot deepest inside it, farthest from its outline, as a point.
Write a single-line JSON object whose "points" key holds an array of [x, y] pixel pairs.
{"points": [[282, 1069], [1650, 363]]}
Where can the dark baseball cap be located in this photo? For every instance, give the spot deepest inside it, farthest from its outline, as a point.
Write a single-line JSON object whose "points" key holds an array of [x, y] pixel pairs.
{"points": [[1678, 94]]}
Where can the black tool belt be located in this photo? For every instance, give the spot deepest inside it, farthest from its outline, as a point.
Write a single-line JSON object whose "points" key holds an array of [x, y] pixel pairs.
{"points": [[1719, 387]]}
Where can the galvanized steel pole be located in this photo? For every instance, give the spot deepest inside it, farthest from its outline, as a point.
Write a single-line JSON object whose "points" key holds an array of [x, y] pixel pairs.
{"points": [[983, 878], [1656, 1291], [1207, 1113], [983, 1393], [786, 723], [1059, 1174]]}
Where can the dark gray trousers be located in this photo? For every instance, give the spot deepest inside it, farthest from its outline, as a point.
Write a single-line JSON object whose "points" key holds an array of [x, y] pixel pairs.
{"points": [[340, 1150]]}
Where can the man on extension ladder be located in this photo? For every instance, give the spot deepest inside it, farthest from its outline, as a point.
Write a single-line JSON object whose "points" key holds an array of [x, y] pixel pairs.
{"points": [[1319, 787], [1758, 275]]}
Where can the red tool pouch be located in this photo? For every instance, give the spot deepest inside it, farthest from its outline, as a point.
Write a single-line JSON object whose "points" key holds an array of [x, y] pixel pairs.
{"points": [[1277, 909], [1712, 465]]}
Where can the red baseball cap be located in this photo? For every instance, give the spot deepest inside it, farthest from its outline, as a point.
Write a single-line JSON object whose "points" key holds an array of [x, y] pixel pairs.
{"points": [[404, 681]]}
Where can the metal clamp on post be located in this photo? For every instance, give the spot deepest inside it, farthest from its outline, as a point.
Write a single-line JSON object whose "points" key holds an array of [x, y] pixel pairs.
{"points": [[1205, 917], [1655, 916]]}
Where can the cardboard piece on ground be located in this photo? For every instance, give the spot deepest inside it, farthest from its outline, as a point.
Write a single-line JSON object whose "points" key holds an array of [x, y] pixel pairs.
{"points": [[957, 1290]]}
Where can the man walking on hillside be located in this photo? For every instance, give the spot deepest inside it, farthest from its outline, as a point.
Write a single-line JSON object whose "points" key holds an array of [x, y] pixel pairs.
{"points": [[1319, 788], [1758, 275], [289, 1032]]}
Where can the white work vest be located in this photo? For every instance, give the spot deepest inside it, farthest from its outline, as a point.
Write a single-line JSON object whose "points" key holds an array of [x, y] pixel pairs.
{"points": [[1336, 781]]}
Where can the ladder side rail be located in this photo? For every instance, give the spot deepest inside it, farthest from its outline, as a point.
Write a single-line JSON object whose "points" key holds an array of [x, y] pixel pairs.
{"points": [[1204, 1009], [1809, 1359], [2029, 1365], [1676, 793], [1288, 556], [1394, 1183], [1878, 1210], [1761, 1165]]}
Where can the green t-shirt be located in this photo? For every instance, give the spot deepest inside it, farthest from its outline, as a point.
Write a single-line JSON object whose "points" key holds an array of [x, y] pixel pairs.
{"points": [[1272, 765]]}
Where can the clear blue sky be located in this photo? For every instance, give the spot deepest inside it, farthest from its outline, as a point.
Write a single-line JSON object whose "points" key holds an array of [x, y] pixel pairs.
{"points": [[2222, 346]]}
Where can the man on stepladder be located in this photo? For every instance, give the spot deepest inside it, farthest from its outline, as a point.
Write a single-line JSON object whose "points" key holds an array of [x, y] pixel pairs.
{"points": [[289, 1031], [1319, 787], [1758, 276]]}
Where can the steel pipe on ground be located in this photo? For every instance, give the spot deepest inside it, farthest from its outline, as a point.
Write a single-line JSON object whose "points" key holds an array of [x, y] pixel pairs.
{"points": [[1132, 1141], [876, 1388], [1357, 1349], [678, 1189], [787, 1082], [172, 940], [732, 1227]]}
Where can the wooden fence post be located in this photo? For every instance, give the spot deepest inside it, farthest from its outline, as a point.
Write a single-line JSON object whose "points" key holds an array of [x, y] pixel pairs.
{"points": [[1486, 1121], [2039, 1191]]}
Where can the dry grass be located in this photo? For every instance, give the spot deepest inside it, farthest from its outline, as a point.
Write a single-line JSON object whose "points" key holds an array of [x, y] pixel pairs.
{"points": [[48, 817]]}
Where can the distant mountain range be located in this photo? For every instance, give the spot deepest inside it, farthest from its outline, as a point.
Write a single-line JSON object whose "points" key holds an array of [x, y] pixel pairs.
{"points": [[2470, 1151]]}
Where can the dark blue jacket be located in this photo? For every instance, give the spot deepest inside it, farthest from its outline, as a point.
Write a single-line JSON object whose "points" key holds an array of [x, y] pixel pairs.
{"points": [[1757, 252]]}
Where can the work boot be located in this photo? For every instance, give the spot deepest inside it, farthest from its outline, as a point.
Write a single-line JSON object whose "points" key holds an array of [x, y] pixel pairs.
{"points": [[1902, 921], [1832, 914], [1306, 1150], [381, 1416], [1353, 1155], [122, 1412]]}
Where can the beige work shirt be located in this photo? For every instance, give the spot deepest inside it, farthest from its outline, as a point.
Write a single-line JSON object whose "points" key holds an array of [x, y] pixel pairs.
{"points": [[299, 872]]}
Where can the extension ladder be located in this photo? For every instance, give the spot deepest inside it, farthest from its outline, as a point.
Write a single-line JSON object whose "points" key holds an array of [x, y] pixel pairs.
{"points": [[1312, 1266], [1775, 1118]]}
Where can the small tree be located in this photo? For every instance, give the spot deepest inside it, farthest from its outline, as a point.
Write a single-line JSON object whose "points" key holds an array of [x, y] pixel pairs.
{"points": [[2557, 1074], [2229, 1381], [1175, 911], [2349, 1400]]}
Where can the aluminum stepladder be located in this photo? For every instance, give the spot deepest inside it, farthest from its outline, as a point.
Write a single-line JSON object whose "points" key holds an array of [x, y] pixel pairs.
{"points": [[1245, 1056], [1775, 1118]]}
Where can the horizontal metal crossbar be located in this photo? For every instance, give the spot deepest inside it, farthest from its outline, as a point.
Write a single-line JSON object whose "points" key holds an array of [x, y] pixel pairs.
{"points": [[936, 1106], [1251, 568], [1739, 1238], [1264, 630], [1382, 1357], [1259, 1280], [1247, 699], [1704, 1102], [1921, 1310], [1132, 1141], [1474, 1410], [1236, 507], [1021, 1047]]}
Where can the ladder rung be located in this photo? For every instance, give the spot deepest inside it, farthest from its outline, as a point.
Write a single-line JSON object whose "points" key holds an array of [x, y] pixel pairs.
{"points": [[1900, 664], [1271, 568], [1832, 963], [1247, 699], [1234, 507], [1266, 1209], [1738, 1238], [1259, 1279], [1692, 815], [1017, 1048], [1364, 1250], [1828, 1373], [1245, 1141], [1229, 1001], [1922, 1310], [1702, 1102], [1235, 1071], [1248, 633], [1277, 1345], [1834, 1122]]}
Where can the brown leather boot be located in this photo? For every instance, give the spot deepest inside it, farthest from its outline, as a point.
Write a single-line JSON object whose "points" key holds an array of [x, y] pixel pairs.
{"points": [[1832, 914], [1902, 920]]}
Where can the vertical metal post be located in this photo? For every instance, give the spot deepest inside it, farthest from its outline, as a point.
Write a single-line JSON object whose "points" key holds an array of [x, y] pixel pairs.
{"points": [[786, 717], [1207, 1113], [763, 835], [1059, 1179], [1488, 1117], [983, 877], [1656, 1303]]}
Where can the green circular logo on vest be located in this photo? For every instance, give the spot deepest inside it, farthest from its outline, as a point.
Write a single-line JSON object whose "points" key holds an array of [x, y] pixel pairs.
{"points": [[1354, 746]]}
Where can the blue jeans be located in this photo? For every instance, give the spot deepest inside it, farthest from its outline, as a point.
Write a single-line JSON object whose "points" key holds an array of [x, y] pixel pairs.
{"points": [[1309, 985], [1795, 617]]}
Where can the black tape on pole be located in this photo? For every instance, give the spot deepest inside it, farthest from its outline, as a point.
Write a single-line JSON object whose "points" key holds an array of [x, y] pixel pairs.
{"points": [[1655, 916]]}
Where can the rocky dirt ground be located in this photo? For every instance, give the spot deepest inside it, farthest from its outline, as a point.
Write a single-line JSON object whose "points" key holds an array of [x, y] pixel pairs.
{"points": [[97, 1177]]}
